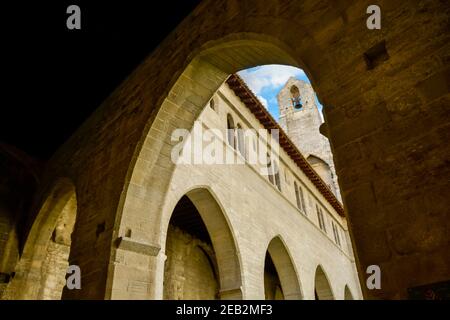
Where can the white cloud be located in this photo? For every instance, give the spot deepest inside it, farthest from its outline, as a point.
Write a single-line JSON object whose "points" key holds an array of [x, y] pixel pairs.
{"points": [[263, 101], [271, 76]]}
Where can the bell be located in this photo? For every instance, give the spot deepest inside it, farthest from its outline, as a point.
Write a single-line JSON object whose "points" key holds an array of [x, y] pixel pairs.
{"points": [[297, 103]]}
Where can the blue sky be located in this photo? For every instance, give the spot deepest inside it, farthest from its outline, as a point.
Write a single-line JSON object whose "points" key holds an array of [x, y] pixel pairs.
{"points": [[266, 81]]}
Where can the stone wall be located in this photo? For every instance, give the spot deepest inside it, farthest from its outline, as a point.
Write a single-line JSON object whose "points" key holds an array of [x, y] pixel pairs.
{"points": [[18, 180], [9, 247], [54, 271], [188, 272], [40, 273]]}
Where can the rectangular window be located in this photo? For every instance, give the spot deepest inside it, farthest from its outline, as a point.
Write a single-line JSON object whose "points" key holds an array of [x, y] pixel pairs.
{"points": [[297, 196], [277, 180], [302, 200], [270, 172], [336, 234], [323, 221], [334, 231], [320, 218]]}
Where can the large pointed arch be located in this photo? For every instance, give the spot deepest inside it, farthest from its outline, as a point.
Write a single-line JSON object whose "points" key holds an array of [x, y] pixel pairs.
{"points": [[285, 268]]}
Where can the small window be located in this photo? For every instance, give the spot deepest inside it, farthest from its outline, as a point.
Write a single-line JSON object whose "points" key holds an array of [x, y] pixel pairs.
{"points": [[320, 218], [231, 131], [212, 104], [323, 221], [269, 169], [273, 172], [297, 196], [302, 199], [336, 234], [287, 176], [277, 175], [240, 140]]}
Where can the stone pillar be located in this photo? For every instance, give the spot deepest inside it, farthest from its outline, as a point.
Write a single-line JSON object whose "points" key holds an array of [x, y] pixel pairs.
{"points": [[135, 271]]}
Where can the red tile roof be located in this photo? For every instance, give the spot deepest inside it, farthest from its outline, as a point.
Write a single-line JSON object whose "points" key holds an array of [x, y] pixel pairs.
{"points": [[254, 105]]}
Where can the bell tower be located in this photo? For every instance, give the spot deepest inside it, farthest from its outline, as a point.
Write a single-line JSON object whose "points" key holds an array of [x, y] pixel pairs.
{"points": [[300, 119]]}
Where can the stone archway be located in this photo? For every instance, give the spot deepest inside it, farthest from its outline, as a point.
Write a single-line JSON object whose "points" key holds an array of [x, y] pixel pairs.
{"points": [[322, 285], [41, 270], [210, 240], [152, 168], [285, 271]]}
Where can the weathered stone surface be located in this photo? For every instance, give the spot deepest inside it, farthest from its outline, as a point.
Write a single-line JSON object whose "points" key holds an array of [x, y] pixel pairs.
{"points": [[188, 274]]}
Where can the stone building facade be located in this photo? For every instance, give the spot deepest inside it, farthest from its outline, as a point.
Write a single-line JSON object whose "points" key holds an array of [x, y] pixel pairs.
{"points": [[285, 206], [301, 119]]}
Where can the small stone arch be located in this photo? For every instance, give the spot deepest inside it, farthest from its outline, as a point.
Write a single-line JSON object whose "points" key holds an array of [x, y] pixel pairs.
{"points": [[322, 287], [285, 268], [41, 270], [295, 93]]}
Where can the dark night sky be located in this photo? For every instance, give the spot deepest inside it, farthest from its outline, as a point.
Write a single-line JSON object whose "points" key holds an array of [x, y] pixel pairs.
{"points": [[53, 78]]}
